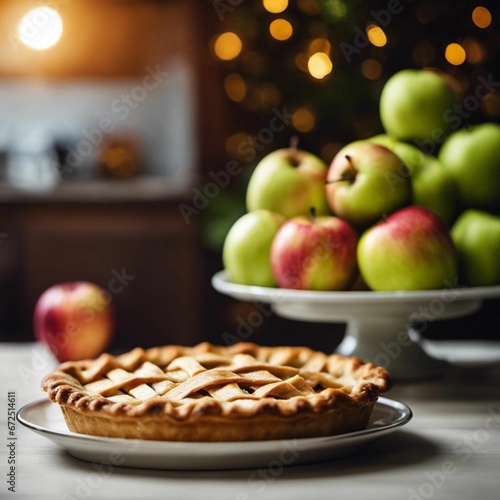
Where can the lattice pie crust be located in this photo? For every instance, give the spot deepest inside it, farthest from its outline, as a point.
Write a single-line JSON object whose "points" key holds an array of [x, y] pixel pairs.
{"points": [[211, 393]]}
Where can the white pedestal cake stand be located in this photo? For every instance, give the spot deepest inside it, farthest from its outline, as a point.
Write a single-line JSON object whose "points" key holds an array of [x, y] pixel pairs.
{"points": [[378, 323]]}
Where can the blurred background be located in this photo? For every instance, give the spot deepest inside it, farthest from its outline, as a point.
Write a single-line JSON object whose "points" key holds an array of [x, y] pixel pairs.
{"points": [[129, 129]]}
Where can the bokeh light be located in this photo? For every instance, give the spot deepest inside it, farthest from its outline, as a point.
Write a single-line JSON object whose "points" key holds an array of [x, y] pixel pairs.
{"points": [[319, 45], [303, 119], [455, 54], [227, 46], [491, 104], [281, 29], [475, 50], [301, 61], [376, 35], [235, 87], [481, 17], [319, 65], [41, 28], [275, 6], [371, 69], [235, 142]]}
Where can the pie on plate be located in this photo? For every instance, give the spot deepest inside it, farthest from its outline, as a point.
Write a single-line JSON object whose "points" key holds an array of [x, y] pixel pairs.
{"points": [[244, 392]]}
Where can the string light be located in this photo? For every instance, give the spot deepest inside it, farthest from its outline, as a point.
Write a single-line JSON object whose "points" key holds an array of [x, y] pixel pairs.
{"points": [[476, 53], [303, 119], [275, 6], [376, 35], [455, 54], [320, 45], [481, 17], [235, 87], [281, 29], [228, 46], [233, 143], [319, 65], [491, 104], [371, 69]]}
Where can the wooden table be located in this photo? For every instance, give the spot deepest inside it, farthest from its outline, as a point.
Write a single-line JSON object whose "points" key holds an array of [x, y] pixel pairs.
{"points": [[450, 450]]}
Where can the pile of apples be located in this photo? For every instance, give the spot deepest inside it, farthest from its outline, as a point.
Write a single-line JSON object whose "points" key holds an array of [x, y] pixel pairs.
{"points": [[416, 208]]}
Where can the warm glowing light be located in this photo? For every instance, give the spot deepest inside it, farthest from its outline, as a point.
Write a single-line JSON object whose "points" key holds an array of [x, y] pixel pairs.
{"points": [[267, 95], [228, 46], [320, 45], [235, 87], [371, 69], [301, 60], [475, 50], [40, 28], [319, 65], [235, 144], [303, 120], [281, 29], [376, 35], [310, 7], [275, 6], [481, 17], [455, 54], [491, 104]]}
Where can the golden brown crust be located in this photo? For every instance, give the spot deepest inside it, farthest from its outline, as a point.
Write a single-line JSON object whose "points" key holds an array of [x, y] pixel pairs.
{"points": [[193, 393]]}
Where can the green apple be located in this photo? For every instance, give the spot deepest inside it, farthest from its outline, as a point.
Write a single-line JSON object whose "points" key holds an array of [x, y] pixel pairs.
{"points": [[472, 157], [315, 253], [288, 181], [247, 247], [365, 182], [433, 187], [412, 249], [477, 239], [415, 104]]}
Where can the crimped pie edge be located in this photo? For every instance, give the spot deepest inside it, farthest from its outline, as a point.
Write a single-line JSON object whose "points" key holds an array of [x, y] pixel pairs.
{"points": [[369, 381]]}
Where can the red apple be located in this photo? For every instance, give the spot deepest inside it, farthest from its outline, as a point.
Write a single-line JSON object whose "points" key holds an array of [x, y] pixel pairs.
{"points": [[314, 253], [75, 319], [411, 249]]}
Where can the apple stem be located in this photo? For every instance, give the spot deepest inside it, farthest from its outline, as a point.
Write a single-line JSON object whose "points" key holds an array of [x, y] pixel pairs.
{"points": [[312, 213], [294, 143], [348, 175]]}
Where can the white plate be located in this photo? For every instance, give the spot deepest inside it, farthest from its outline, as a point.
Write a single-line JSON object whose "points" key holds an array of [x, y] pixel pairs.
{"points": [[45, 418], [464, 353]]}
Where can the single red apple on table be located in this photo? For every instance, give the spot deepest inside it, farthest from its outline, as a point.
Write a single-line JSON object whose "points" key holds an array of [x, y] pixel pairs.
{"points": [[75, 319], [314, 253], [412, 249]]}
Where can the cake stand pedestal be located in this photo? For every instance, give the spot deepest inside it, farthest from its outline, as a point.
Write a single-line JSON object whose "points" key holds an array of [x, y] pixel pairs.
{"points": [[379, 324]]}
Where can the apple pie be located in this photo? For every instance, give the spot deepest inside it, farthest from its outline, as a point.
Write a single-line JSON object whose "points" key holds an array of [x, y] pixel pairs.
{"points": [[243, 392]]}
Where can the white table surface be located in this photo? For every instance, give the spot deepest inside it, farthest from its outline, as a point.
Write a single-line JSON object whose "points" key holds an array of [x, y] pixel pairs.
{"points": [[450, 450]]}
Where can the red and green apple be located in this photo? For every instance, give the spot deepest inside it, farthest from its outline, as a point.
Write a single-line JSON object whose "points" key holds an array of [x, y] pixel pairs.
{"points": [[412, 249], [433, 187], [288, 181], [314, 253], [75, 319], [365, 182]]}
